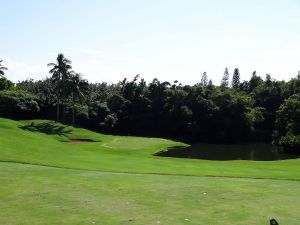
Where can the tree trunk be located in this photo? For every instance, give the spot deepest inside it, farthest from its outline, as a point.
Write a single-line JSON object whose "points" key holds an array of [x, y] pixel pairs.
{"points": [[63, 112], [73, 113], [63, 97], [58, 100], [57, 110]]}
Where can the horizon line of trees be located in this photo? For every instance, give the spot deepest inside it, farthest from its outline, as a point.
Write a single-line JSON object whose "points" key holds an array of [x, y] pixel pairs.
{"points": [[258, 110]]}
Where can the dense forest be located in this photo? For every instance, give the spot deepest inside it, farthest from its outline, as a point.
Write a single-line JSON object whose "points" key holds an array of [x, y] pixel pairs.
{"points": [[258, 110]]}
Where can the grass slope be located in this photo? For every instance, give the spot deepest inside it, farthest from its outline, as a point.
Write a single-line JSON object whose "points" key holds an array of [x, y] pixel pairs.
{"points": [[117, 180], [121, 154]]}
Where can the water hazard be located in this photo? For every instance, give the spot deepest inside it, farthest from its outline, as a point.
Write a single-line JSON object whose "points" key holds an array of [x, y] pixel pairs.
{"points": [[256, 152]]}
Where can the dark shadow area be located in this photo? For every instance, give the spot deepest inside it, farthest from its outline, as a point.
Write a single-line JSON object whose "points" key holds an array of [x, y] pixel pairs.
{"points": [[81, 140], [255, 152], [50, 128]]}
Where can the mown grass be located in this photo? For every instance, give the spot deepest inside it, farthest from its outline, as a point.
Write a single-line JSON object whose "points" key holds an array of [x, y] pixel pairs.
{"points": [[123, 154], [32, 195], [117, 180]]}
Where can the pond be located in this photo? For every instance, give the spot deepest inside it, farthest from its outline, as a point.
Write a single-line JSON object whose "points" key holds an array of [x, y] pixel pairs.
{"points": [[256, 152]]}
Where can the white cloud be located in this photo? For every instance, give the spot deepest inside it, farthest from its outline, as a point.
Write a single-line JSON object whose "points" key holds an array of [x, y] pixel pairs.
{"points": [[104, 65], [18, 71], [95, 65]]}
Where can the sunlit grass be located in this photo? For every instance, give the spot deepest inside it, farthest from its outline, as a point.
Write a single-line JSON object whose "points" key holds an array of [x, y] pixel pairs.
{"points": [[117, 180]]}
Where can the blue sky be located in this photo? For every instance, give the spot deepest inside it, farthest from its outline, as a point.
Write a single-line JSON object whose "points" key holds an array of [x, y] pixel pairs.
{"points": [[167, 39]]}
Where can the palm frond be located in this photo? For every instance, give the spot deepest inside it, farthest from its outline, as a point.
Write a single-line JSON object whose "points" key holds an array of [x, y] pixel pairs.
{"points": [[51, 64]]}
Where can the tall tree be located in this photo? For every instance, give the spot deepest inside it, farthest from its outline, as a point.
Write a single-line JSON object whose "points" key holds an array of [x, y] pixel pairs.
{"points": [[268, 80], [204, 80], [235, 83], [60, 71], [225, 79], [78, 88], [2, 68], [287, 125], [254, 81]]}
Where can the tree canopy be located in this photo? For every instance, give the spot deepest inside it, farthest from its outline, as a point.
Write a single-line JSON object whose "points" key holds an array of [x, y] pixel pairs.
{"points": [[260, 109]]}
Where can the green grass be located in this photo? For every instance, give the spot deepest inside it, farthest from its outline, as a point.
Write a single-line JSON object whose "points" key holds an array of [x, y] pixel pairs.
{"points": [[42, 195], [123, 154], [117, 180]]}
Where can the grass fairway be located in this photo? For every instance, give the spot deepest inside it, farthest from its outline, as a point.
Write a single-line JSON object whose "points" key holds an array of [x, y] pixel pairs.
{"points": [[117, 180], [41, 195]]}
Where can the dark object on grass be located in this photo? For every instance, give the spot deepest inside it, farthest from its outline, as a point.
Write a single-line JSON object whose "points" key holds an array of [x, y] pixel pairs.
{"points": [[273, 222], [50, 128]]}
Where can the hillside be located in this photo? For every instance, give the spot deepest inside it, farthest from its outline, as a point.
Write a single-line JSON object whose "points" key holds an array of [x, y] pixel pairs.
{"points": [[55, 174], [46, 143]]}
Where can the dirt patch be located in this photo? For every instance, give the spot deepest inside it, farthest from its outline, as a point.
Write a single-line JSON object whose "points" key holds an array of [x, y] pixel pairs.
{"points": [[81, 140]]}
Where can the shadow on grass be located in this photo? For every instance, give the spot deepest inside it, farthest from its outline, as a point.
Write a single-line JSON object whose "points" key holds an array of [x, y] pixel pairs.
{"points": [[81, 140], [50, 128], [175, 152]]}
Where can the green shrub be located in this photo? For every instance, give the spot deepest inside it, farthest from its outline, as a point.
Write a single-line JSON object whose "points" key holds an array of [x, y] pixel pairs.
{"points": [[18, 105], [6, 84], [287, 125]]}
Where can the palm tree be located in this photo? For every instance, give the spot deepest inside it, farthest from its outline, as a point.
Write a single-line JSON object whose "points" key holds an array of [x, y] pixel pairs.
{"points": [[78, 87], [2, 68], [60, 71]]}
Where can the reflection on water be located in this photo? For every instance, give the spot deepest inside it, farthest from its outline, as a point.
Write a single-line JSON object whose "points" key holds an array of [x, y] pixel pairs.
{"points": [[258, 152]]}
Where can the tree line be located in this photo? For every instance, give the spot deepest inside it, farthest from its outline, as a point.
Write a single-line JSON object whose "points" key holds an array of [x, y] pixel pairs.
{"points": [[258, 110]]}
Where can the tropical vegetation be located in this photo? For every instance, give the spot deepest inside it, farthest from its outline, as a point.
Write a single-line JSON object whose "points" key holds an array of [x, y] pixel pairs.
{"points": [[55, 173], [236, 111]]}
